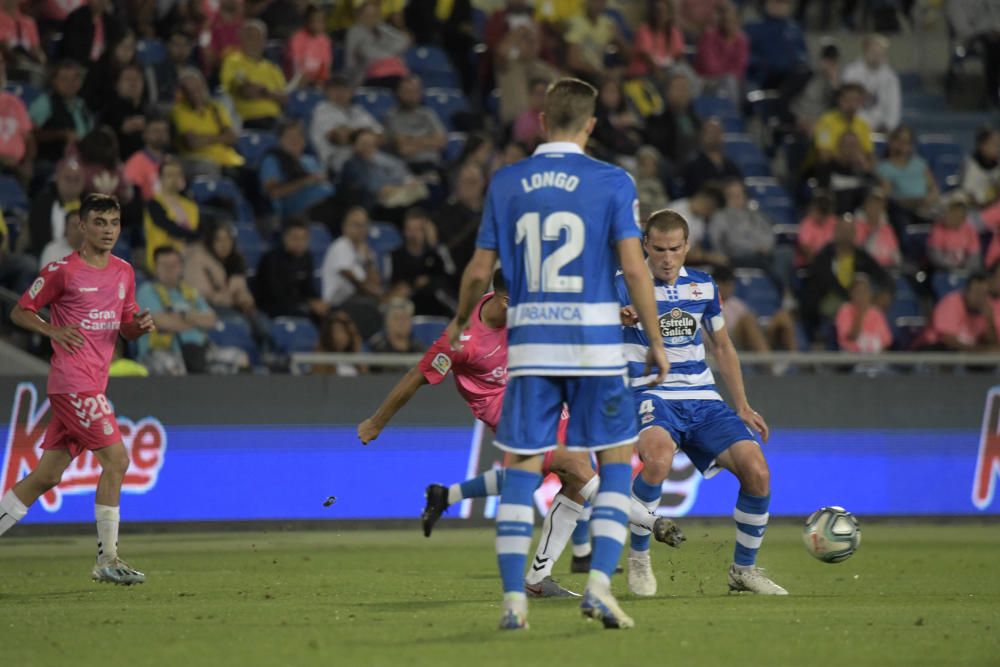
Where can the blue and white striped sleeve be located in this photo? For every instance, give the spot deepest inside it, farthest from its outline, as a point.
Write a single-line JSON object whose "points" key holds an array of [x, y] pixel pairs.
{"points": [[713, 311]]}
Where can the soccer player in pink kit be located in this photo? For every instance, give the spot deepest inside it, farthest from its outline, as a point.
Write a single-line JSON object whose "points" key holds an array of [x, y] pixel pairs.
{"points": [[91, 298]]}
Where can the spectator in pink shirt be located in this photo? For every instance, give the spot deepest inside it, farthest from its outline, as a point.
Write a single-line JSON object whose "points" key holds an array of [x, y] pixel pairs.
{"points": [[965, 320], [874, 233], [659, 42], [954, 243], [723, 52], [20, 43], [861, 324], [142, 169], [695, 16], [225, 31], [816, 229], [17, 144], [310, 50]]}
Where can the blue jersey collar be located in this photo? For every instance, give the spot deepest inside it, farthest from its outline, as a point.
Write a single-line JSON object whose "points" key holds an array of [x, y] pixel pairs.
{"points": [[558, 147]]}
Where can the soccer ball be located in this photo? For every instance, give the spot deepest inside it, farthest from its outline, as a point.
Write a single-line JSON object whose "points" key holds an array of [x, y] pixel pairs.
{"points": [[831, 534]]}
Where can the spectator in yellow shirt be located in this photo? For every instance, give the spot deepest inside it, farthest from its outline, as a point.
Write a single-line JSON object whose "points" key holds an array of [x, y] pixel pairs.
{"points": [[843, 118], [256, 85], [203, 127], [588, 36]]}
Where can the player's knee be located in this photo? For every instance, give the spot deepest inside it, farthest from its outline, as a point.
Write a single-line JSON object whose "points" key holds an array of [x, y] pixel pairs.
{"points": [[656, 468], [756, 478], [117, 464], [46, 479]]}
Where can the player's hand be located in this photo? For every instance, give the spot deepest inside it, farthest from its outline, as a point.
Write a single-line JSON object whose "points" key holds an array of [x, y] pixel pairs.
{"points": [[629, 316], [656, 359], [454, 331], [144, 321], [368, 431], [753, 419], [68, 338]]}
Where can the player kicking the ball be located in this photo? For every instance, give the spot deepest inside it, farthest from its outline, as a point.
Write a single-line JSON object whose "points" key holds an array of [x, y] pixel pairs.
{"points": [[91, 297], [480, 372], [686, 411]]}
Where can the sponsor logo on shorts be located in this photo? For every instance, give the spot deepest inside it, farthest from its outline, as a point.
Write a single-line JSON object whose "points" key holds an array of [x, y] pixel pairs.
{"points": [[648, 418], [678, 326], [441, 363], [145, 440], [36, 287]]}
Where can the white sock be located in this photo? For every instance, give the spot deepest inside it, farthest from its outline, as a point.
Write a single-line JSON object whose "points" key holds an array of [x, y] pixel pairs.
{"points": [[599, 580], [107, 532], [557, 529], [641, 515], [12, 510], [589, 489], [454, 494], [583, 550]]}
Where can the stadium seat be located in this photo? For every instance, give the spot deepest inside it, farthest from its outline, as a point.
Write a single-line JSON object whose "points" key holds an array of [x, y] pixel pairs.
{"points": [[707, 106], [945, 282], [446, 102], [25, 91], [376, 101], [758, 291], [150, 52], [251, 246], [432, 65], [428, 328], [205, 189], [319, 241], [913, 243], [384, 238], [252, 145], [293, 334], [301, 104], [747, 155], [12, 197], [456, 143], [944, 155], [947, 170], [274, 51], [234, 331]]}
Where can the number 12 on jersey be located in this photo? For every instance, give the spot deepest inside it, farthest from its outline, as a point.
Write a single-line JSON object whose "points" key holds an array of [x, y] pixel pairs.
{"points": [[544, 274]]}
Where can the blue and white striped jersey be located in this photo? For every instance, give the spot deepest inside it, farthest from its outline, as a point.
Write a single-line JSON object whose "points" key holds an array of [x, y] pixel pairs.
{"points": [[685, 309], [555, 219]]}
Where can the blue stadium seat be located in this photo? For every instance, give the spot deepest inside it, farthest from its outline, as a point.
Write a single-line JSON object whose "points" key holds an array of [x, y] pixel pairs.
{"points": [[251, 245], [234, 331], [301, 104], [12, 197], [384, 237], [150, 52], [747, 155], [432, 65], [122, 249], [947, 170], [319, 240], [446, 102], [339, 55], [913, 243], [779, 208], [208, 188], [274, 51], [456, 143], [252, 145], [945, 282], [428, 328], [25, 91], [376, 101], [709, 105], [758, 291], [293, 334]]}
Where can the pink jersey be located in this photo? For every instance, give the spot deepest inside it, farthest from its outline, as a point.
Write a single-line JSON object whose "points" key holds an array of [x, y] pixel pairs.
{"points": [[96, 300], [480, 367]]}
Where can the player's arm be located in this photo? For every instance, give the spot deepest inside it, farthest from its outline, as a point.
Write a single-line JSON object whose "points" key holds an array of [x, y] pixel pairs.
{"points": [[400, 395], [640, 289], [69, 337], [475, 280], [139, 326], [732, 376]]}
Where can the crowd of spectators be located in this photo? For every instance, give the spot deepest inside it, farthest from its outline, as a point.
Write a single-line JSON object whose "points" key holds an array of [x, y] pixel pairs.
{"points": [[286, 166]]}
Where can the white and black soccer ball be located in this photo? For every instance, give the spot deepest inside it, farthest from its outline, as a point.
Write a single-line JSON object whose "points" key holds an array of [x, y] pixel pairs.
{"points": [[831, 534]]}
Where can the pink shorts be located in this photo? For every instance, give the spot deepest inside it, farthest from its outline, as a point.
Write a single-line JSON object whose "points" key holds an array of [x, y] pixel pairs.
{"points": [[81, 422]]}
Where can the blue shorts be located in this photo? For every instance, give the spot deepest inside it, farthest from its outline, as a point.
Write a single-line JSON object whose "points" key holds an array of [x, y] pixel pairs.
{"points": [[702, 429], [601, 413]]}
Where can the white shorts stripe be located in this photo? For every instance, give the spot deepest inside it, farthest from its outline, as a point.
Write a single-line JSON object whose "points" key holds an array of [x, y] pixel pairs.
{"points": [[751, 519], [748, 541], [513, 544], [618, 501], [518, 513], [608, 528], [562, 356], [675, 355], [559, 313], [700, 394]]}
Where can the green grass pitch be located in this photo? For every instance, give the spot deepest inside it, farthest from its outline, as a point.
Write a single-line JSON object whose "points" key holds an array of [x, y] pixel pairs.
{"points": [[915, 594]]}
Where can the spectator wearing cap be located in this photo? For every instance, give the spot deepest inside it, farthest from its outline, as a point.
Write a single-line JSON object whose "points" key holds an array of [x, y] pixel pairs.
{"points": [[374, 48], [723, 52], [674, 132], [953, 244], [458, 219], [256, 85], [816, 229], [659, 42], [284, 285], [89, 31], [419, 270], [17, 143], [295, 182], [203, 127], [698, 210], [50, 207], [710, 163], [588, 36], [310, 49], [334, 122], [965, 320], [860, 323], [59, 115], [842, 118], [779, 58], [414, 130], [907, 178], [142, 169], [883, 100], [874, 233], [171, 218]]}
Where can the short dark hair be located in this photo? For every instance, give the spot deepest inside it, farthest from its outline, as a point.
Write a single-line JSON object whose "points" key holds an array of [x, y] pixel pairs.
{"points": [[712, 190], [850, 87], [163, 251], [666, 220], [569, 104], [98, 203], [295, 222], [723, 274], [416, 212], [499, 282]]}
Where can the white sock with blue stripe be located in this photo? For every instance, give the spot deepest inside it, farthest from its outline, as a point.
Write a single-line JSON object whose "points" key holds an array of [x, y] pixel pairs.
{"points": [[515, 522], [487, 484], [751, 521], [609, 522]]}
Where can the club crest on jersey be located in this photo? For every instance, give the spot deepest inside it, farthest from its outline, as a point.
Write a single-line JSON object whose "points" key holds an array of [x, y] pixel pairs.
{"points": [[677, 326], [145, 440], [441, 363], [696, 292], [121, 291], [36, 287]]}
